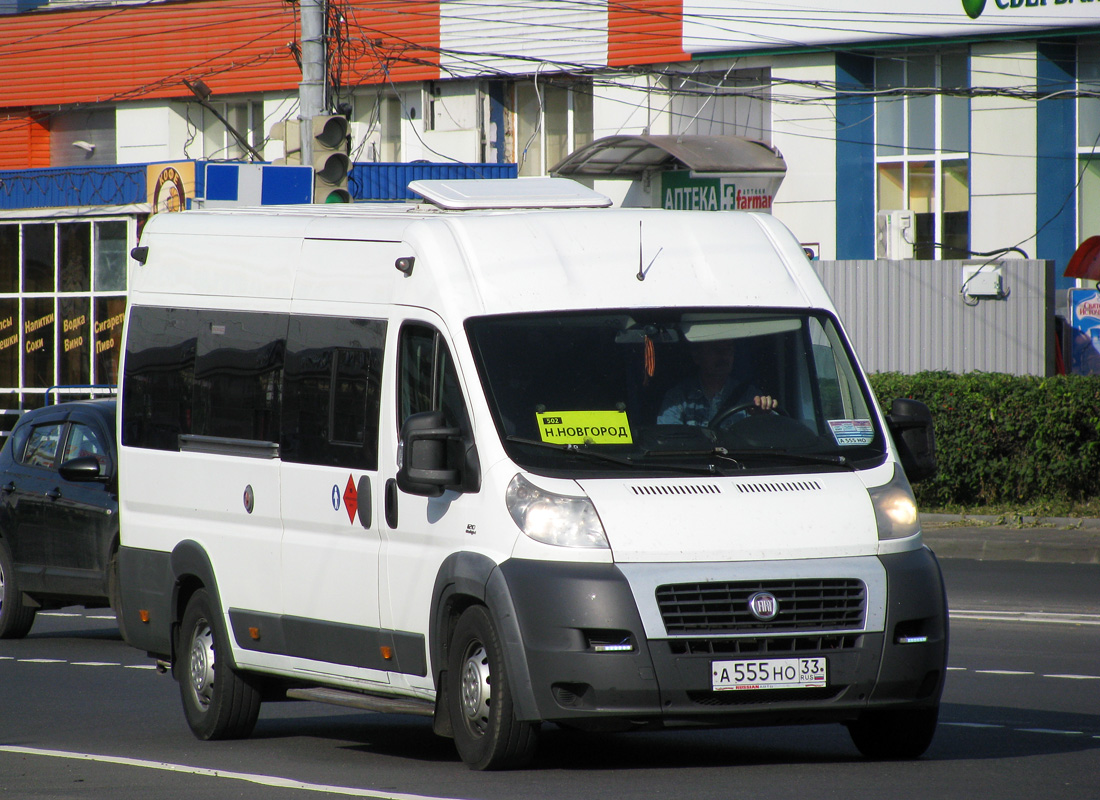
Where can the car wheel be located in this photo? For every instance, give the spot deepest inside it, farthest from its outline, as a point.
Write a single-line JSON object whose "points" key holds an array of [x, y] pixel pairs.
{"points": [[218, 702], [888, 735], [486, 732], [16, 619]]}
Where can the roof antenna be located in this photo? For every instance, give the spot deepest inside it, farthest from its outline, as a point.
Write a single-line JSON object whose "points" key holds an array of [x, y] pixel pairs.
{"points": [[643, 271]]}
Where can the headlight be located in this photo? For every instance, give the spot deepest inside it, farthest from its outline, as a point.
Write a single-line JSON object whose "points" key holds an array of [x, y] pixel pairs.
{"points": [[554, 518], [895, 508]]}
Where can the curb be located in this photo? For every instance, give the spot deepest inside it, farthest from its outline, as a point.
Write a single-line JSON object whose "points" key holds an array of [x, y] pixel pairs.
{"points": [[1055, 540]]}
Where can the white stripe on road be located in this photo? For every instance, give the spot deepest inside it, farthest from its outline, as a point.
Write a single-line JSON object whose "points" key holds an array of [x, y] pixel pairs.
{"points": [[1026, 616], [261, 780]]}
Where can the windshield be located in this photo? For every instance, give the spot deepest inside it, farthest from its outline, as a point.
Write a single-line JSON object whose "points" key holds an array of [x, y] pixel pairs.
{"points": [[675, 390]]}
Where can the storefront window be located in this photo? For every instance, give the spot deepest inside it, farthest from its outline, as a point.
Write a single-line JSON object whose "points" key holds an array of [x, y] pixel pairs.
{"points": [[109, 313], [74, 341], [922, 133], [62, 303], [551, 122], [38, 343], [38, 258], [74, 241], [110, 256], [9, 258]]}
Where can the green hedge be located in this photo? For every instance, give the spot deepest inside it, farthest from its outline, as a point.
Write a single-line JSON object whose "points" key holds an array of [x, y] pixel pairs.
{"points": [[1004, 438]]}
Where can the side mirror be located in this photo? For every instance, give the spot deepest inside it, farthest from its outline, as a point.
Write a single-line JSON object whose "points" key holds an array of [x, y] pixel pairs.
{"points": [[85, 469], [425, 468], [910, 423]]}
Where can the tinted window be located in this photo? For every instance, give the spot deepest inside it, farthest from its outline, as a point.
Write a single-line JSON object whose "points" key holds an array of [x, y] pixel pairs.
{"points": [[83, 441], [333, 378], [42, 445], [238, 375], [428, 378], [160, 372]]}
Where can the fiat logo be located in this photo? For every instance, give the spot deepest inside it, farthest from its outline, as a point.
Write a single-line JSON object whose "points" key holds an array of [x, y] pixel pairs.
{"points": [[764, 606]]}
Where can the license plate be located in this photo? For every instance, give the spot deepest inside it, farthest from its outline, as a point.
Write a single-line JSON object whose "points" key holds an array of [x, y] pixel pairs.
{"points": [[769, 673]]}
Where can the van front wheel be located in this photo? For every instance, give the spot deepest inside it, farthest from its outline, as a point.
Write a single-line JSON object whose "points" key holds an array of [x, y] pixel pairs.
{"points": [[217, 701], [894, 735], [486, 732]]}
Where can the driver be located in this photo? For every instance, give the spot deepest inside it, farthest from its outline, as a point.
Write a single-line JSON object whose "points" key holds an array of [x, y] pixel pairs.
{"points": [[713, 389]]}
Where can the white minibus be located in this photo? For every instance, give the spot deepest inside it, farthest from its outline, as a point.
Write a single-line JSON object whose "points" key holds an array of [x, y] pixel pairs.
{"points": [[505, 458]]}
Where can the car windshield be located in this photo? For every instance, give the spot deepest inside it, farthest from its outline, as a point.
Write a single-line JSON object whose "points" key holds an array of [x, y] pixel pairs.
{"points": [[675, 391]]}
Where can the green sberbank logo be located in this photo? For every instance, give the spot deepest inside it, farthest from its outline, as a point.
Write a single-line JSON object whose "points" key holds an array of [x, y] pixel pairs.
{"points": [[973, 8]]}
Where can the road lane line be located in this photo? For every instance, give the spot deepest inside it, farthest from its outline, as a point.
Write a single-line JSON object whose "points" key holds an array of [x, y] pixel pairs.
{"points": [[1075, 677], [1002, 672], [261, 780], [1026, 616]]}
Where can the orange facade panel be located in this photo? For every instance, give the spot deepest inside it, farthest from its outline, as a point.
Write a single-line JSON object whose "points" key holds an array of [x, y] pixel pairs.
{"points": [[645, 32], [391, 40], [24, 140], [117, 53]]}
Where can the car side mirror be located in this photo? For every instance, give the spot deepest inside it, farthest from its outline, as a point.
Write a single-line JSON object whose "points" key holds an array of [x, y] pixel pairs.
{"points": [[425, 467], [84, 469], [910, 424]]}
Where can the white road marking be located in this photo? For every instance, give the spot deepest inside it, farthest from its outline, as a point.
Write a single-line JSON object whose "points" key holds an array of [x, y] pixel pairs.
{"points": [[1002, 672], [261, 780], [1026, 616], [1075, 677]]}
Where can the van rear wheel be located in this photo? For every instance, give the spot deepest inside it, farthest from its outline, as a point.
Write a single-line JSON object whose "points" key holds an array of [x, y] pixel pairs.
{"points": [[486, 732], [16, 619], [218, 702]]}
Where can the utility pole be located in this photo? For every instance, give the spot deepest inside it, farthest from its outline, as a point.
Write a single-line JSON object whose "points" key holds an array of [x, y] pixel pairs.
{"points": [[311, 91]]}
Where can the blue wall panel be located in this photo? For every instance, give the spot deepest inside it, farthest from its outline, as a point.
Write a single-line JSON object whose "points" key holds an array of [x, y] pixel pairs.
{"points": [[1056, 162], [855, 157], [60, 187], [389, 181]]}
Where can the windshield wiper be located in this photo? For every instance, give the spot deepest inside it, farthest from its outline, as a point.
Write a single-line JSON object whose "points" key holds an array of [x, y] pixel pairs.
{"points": [[706, 453], [583, 450], [809, 458]]}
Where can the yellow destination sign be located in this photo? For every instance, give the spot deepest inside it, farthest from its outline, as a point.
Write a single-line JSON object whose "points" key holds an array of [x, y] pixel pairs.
{"points": [[584, 427]]}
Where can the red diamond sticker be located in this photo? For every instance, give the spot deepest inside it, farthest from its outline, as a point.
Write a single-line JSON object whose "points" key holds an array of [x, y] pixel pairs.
{"points": [[351, 499]]}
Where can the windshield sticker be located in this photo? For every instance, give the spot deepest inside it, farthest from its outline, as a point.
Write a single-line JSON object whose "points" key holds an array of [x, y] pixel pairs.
{"points": [[584, 427], [848, 432]]}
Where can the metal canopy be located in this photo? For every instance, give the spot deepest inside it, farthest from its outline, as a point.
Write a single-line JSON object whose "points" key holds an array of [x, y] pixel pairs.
{"points": [[632, 156]]}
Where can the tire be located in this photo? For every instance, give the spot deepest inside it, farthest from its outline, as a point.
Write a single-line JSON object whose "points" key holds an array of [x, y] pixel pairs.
{"points": [[894, 735], [16, 619], [486, 732], [218, 702]]}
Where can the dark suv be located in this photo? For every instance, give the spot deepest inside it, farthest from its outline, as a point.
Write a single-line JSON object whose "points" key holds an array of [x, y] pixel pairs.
{"points": [[58, 513]]}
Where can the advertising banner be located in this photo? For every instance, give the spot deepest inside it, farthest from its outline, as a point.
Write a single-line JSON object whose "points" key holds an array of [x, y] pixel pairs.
{"points": [[721, 25], [684, 190], [1085, 319]]}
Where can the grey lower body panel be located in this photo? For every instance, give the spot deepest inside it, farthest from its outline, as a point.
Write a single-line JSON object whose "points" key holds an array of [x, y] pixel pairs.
{"points": [[146, 582], [568, 614]]}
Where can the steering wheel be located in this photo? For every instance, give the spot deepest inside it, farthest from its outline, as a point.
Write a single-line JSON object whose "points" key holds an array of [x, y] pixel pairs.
{"points": [[739, 408]]}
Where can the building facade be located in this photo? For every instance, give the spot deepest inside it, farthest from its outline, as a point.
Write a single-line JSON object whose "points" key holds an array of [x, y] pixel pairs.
{"points": [[952, 128]]}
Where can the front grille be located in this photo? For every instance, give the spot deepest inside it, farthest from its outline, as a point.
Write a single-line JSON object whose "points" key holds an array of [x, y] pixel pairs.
{"points": [[768, 696], [722, 607], [765, 645]]}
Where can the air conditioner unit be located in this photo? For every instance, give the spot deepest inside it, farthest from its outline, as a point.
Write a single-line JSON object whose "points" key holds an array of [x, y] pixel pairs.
{"points": [[895, 234]]}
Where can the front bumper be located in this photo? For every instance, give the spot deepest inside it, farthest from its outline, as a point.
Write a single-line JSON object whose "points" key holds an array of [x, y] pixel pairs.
{"points": [[573, 618]]}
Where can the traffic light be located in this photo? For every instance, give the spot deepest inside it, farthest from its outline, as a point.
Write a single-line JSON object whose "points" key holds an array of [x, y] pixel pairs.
{"points": [[331, 163]]}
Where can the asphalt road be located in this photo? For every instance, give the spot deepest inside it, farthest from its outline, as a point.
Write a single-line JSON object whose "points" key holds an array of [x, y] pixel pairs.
{"points": [[82, 715]]}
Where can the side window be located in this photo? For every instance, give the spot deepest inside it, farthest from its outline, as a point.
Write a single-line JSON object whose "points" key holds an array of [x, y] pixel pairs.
{"points": [[332, 391], [83, 441], [428, 380], [42, 445], [159, 376], [239, 375]]}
